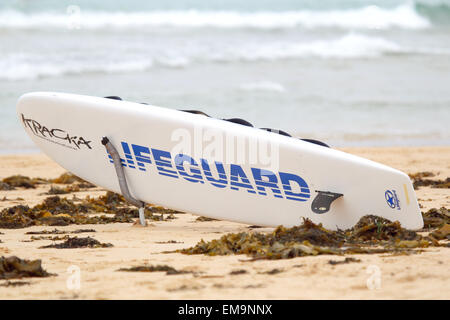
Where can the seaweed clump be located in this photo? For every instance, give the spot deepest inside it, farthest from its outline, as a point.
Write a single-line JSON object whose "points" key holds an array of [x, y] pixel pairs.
{"points": [[435, 218], [75, 242], [372, 228], [19, 181], [238, 272], [345, 261], [5, 187], [370, 235], [56, 231], [442, 233], [113, 202], [58, 234], [283, 243], [419, 181], [69, 178], [57, 211], [72, 183], [15, 268], [158, 268], [68, 189], [203, 219], [15, 283]]}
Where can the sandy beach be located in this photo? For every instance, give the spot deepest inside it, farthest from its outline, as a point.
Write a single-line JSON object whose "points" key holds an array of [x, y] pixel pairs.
{"points": [[418, 276]]}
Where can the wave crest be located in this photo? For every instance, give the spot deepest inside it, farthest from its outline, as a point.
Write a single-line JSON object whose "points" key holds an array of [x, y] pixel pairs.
{"points": [[351, 46], [370, 17]]}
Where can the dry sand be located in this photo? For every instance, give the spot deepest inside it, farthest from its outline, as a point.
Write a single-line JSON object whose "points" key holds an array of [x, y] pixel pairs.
{"points": [[420, 276]]}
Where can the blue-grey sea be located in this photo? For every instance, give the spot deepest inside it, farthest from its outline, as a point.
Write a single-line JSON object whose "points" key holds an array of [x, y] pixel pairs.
{"points": [[348, 72]]}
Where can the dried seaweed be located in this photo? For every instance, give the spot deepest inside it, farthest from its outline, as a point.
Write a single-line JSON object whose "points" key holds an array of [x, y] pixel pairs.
{"points": [[345, 261], [441, 184], [435, 218], [370, 235], [69, 178], [185, 287], [419, 181], [83, 231], [158, 268], [68, 189], [76, 242], [273, 271], [115, 202], [5, 187], [374, 228], [202, 219], [14, 283], [442, 233], [167, 242], [19, 181], [52, 238], [237, 272], [421, 175], [14, 268], [56, 231], [57, 211], [108, 201]]}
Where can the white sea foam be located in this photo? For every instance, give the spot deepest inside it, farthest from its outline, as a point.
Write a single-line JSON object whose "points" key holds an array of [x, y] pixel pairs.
{"points": [[370, 17], [27, 69], [351, 46]]}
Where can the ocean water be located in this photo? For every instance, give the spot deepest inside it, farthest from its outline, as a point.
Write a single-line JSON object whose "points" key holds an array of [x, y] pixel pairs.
{"points": [[348, 72]]}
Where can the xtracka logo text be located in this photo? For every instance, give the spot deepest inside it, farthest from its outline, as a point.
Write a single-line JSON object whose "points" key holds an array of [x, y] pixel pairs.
{"points": [[55, 133]]}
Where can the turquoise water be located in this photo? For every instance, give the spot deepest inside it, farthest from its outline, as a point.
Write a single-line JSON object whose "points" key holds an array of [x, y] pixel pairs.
{"points": [[363, 73]]}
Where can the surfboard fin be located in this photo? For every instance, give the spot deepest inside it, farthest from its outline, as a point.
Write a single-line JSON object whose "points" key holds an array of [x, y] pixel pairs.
{"points": [[123, 181], [323, 200]]}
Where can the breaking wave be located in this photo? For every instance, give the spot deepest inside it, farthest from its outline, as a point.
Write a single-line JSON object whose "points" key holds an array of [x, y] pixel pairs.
{"points": [[406, 16], [351, 46]]}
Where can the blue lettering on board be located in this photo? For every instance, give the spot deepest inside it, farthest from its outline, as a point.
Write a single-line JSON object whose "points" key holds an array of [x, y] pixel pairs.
{"points": [[222, 181], [163, 161], [261, 181], [128, 156], [239, 179], [122, 161], [266, 179], [142, 155], [286, 179], [195, 173]]}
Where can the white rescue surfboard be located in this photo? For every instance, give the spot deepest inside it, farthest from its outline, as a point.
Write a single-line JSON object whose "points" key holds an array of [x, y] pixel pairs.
{"points": [[215, 168]]}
